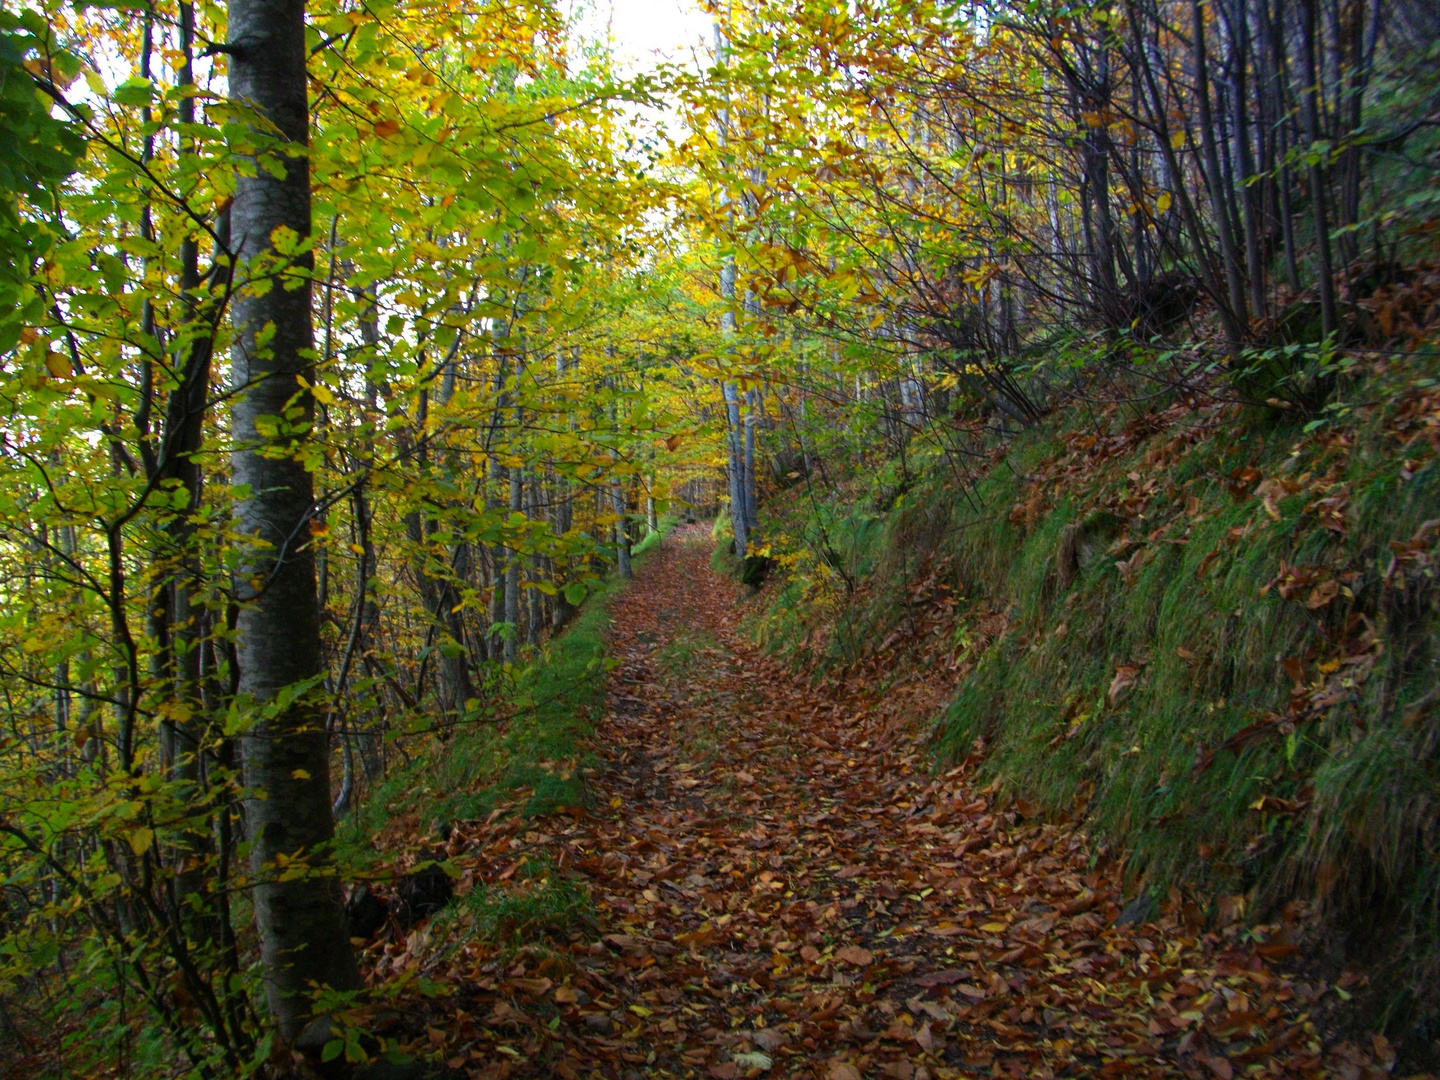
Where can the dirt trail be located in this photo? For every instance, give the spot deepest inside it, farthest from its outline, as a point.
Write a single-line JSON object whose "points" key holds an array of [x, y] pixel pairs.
{"points": [[784, 889]]}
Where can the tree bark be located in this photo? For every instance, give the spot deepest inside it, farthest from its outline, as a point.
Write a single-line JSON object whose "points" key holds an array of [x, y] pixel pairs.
{"points": [[1220, 192], [286, 757], [1310, 110]]}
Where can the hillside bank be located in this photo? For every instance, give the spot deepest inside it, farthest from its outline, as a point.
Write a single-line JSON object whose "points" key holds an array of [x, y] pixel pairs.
{"points": [[1209, 631]]}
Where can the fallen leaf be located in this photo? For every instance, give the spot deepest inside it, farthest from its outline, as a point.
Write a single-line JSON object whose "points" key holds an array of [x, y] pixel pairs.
{"points": [[768, 1039], [854, 954], [1125, 676], [935, 1012], [940, 978]]}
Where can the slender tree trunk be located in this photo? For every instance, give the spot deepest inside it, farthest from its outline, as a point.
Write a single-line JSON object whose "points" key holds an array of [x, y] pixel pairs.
{"points": [[534, 616], [1310, 107], [561, 609], [1248, 193], [286, 758], [736, 469], [752, 510], [512, 563], [1220, 193], [622, 534], [1189, 215]]}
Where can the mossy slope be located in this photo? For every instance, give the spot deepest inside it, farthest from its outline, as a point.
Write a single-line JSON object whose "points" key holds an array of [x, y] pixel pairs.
{"points": [[1212, 636]]}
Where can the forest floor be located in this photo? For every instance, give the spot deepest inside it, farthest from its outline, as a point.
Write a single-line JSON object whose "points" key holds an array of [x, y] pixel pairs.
{"points": [[781, 886]]}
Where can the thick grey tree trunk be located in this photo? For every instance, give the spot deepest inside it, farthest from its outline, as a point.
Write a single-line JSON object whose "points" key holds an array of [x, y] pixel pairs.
{"points": [[286, 757]]}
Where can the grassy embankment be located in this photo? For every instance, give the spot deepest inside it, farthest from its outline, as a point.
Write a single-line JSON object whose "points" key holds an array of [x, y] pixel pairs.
{"points": [[532, 762], [1213, 634]]}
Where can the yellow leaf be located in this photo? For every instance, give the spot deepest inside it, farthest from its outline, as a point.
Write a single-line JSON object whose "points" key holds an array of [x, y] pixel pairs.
{"points": [[322, 394], [141, 839], [300, 774], [994, 928], [1162, 203], [58, 365], [641, 1011], [1177, 140]]}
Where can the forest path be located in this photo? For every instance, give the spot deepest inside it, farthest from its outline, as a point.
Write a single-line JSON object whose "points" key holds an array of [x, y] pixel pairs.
{"points": [[784, 889]]}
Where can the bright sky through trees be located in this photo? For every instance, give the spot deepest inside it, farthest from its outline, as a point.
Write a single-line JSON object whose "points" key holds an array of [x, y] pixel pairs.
{"points": [[645, 31]]}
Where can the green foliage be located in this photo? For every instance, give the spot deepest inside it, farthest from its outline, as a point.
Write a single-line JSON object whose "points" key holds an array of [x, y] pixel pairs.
{"points": [[550, 707], [37, 153], [540, 903]]}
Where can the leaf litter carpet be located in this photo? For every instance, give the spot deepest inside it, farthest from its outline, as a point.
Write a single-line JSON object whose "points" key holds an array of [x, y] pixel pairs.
{"points": [[782, 887]]}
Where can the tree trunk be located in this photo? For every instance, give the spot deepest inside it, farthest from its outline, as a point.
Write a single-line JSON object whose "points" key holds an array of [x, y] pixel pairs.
{"points": [[1249, 193], [622, 534], [1310, 107], [1221, 194], [534, 615], [512, 563], [752, 510], [736, 470], [286, 757]]}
